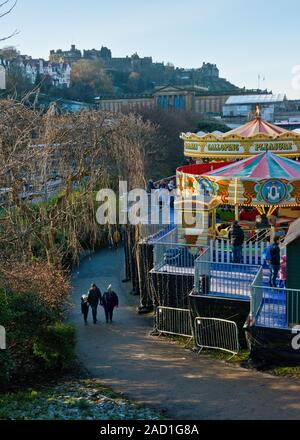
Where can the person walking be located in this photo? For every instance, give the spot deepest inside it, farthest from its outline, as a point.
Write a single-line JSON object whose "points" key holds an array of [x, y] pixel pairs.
{"points": [[150, 187], [116, 238], [110, 240], [172, 188], [94, 300], [274, 262], [236, 236], [162, 194], [110, 301], [85, 307]]}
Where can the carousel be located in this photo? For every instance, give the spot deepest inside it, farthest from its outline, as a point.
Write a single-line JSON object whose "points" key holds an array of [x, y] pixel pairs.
{"points": [[258, 175], [267, 185], [257, 136]]}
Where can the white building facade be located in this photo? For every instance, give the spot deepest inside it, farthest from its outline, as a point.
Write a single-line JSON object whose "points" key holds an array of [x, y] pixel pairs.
{"points": [[59, 73], [245, 105]]}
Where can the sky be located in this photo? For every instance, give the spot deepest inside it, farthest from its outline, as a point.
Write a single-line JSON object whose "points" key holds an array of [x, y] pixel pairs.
{"points": [[244, 38]]}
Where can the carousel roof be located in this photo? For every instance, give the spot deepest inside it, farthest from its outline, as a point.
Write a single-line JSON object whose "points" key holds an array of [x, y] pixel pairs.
{"points": [[252, 138], [255, 127], [262, 166], [258, 128]]}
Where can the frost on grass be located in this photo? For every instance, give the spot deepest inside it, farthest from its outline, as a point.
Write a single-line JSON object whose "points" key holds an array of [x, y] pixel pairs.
{"points": [[84, 400]]}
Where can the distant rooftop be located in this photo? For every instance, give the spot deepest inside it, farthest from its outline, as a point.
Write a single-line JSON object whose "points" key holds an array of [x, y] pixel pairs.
{"points": [[256, 99]]}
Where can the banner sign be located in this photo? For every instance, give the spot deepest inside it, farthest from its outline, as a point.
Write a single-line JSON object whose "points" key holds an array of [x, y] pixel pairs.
{"points": [[224, 149]]}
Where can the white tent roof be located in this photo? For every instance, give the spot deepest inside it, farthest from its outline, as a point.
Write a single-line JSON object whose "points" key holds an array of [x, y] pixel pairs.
{"points": [[255, 99]]}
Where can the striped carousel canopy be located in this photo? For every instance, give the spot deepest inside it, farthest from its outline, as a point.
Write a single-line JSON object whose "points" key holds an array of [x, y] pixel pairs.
{"points": [[253, 138], [257, 126], [260, 167]]}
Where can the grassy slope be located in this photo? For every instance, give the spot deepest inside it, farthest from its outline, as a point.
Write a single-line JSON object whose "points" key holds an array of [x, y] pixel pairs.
{"points": [[71, 400]]}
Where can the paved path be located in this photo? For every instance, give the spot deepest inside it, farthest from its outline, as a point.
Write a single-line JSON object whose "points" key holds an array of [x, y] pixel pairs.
{"points": [[161, 374]]}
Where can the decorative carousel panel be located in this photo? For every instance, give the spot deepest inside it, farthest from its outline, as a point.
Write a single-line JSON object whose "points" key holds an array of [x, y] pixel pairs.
{"points": [[264, 180], [252, 138]]}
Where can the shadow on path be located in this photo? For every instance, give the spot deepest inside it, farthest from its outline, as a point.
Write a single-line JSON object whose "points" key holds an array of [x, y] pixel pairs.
{"points": [[158, 373]]}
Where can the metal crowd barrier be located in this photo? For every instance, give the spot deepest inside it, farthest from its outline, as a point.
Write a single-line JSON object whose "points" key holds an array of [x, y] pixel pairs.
{"points": [[217, 334], [175, 322], [210, 333]]}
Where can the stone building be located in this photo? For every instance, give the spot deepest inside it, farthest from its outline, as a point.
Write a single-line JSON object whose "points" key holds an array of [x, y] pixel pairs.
{"points": [[69, 56], [170, 99]]}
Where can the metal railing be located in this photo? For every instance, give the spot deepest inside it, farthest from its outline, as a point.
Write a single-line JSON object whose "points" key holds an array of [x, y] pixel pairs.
{"points": [[225, 279], [153, 233], [170, 237], [176, 258], [258, 236], [256, 294], [202, 268], [217, 334], [166, 180], [175, 322], [210, 333], [252, 252], [275, 307]]}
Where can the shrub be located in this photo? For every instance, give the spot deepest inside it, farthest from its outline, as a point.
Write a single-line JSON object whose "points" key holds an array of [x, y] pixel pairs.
{"points": [[34, 339], [6, 368], [55, 346], [48, 284]]}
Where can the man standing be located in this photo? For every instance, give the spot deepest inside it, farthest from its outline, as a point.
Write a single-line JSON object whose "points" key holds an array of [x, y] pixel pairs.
{"points": [[236, 237], [274, 262], [94, 299], [110, 301]]}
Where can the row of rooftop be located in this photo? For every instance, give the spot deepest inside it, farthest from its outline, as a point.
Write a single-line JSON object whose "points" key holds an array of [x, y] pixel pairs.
{"points": [[155, 73]]}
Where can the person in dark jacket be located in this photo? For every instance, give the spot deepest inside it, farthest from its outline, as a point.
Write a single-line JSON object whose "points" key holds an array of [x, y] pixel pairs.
{"points": [[94, 300], [236, 237], [274, 262], [150, 186], [110, 301], [85, 308]]}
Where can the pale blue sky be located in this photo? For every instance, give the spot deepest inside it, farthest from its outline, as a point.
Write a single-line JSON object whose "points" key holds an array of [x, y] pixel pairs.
{"points": [[244, 38]]}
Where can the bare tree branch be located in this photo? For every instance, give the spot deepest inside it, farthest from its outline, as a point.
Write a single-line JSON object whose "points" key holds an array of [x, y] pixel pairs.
{"points": [[80, 152], [11, 7], [3, 14], [16, 32]]}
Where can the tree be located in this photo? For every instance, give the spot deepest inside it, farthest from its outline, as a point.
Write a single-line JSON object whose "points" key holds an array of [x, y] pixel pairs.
{"points": [[81, 153], [210, 125], [134, 82], [17, 84], [88, 80], [9, 53], [167, 152], [6, 8]]}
